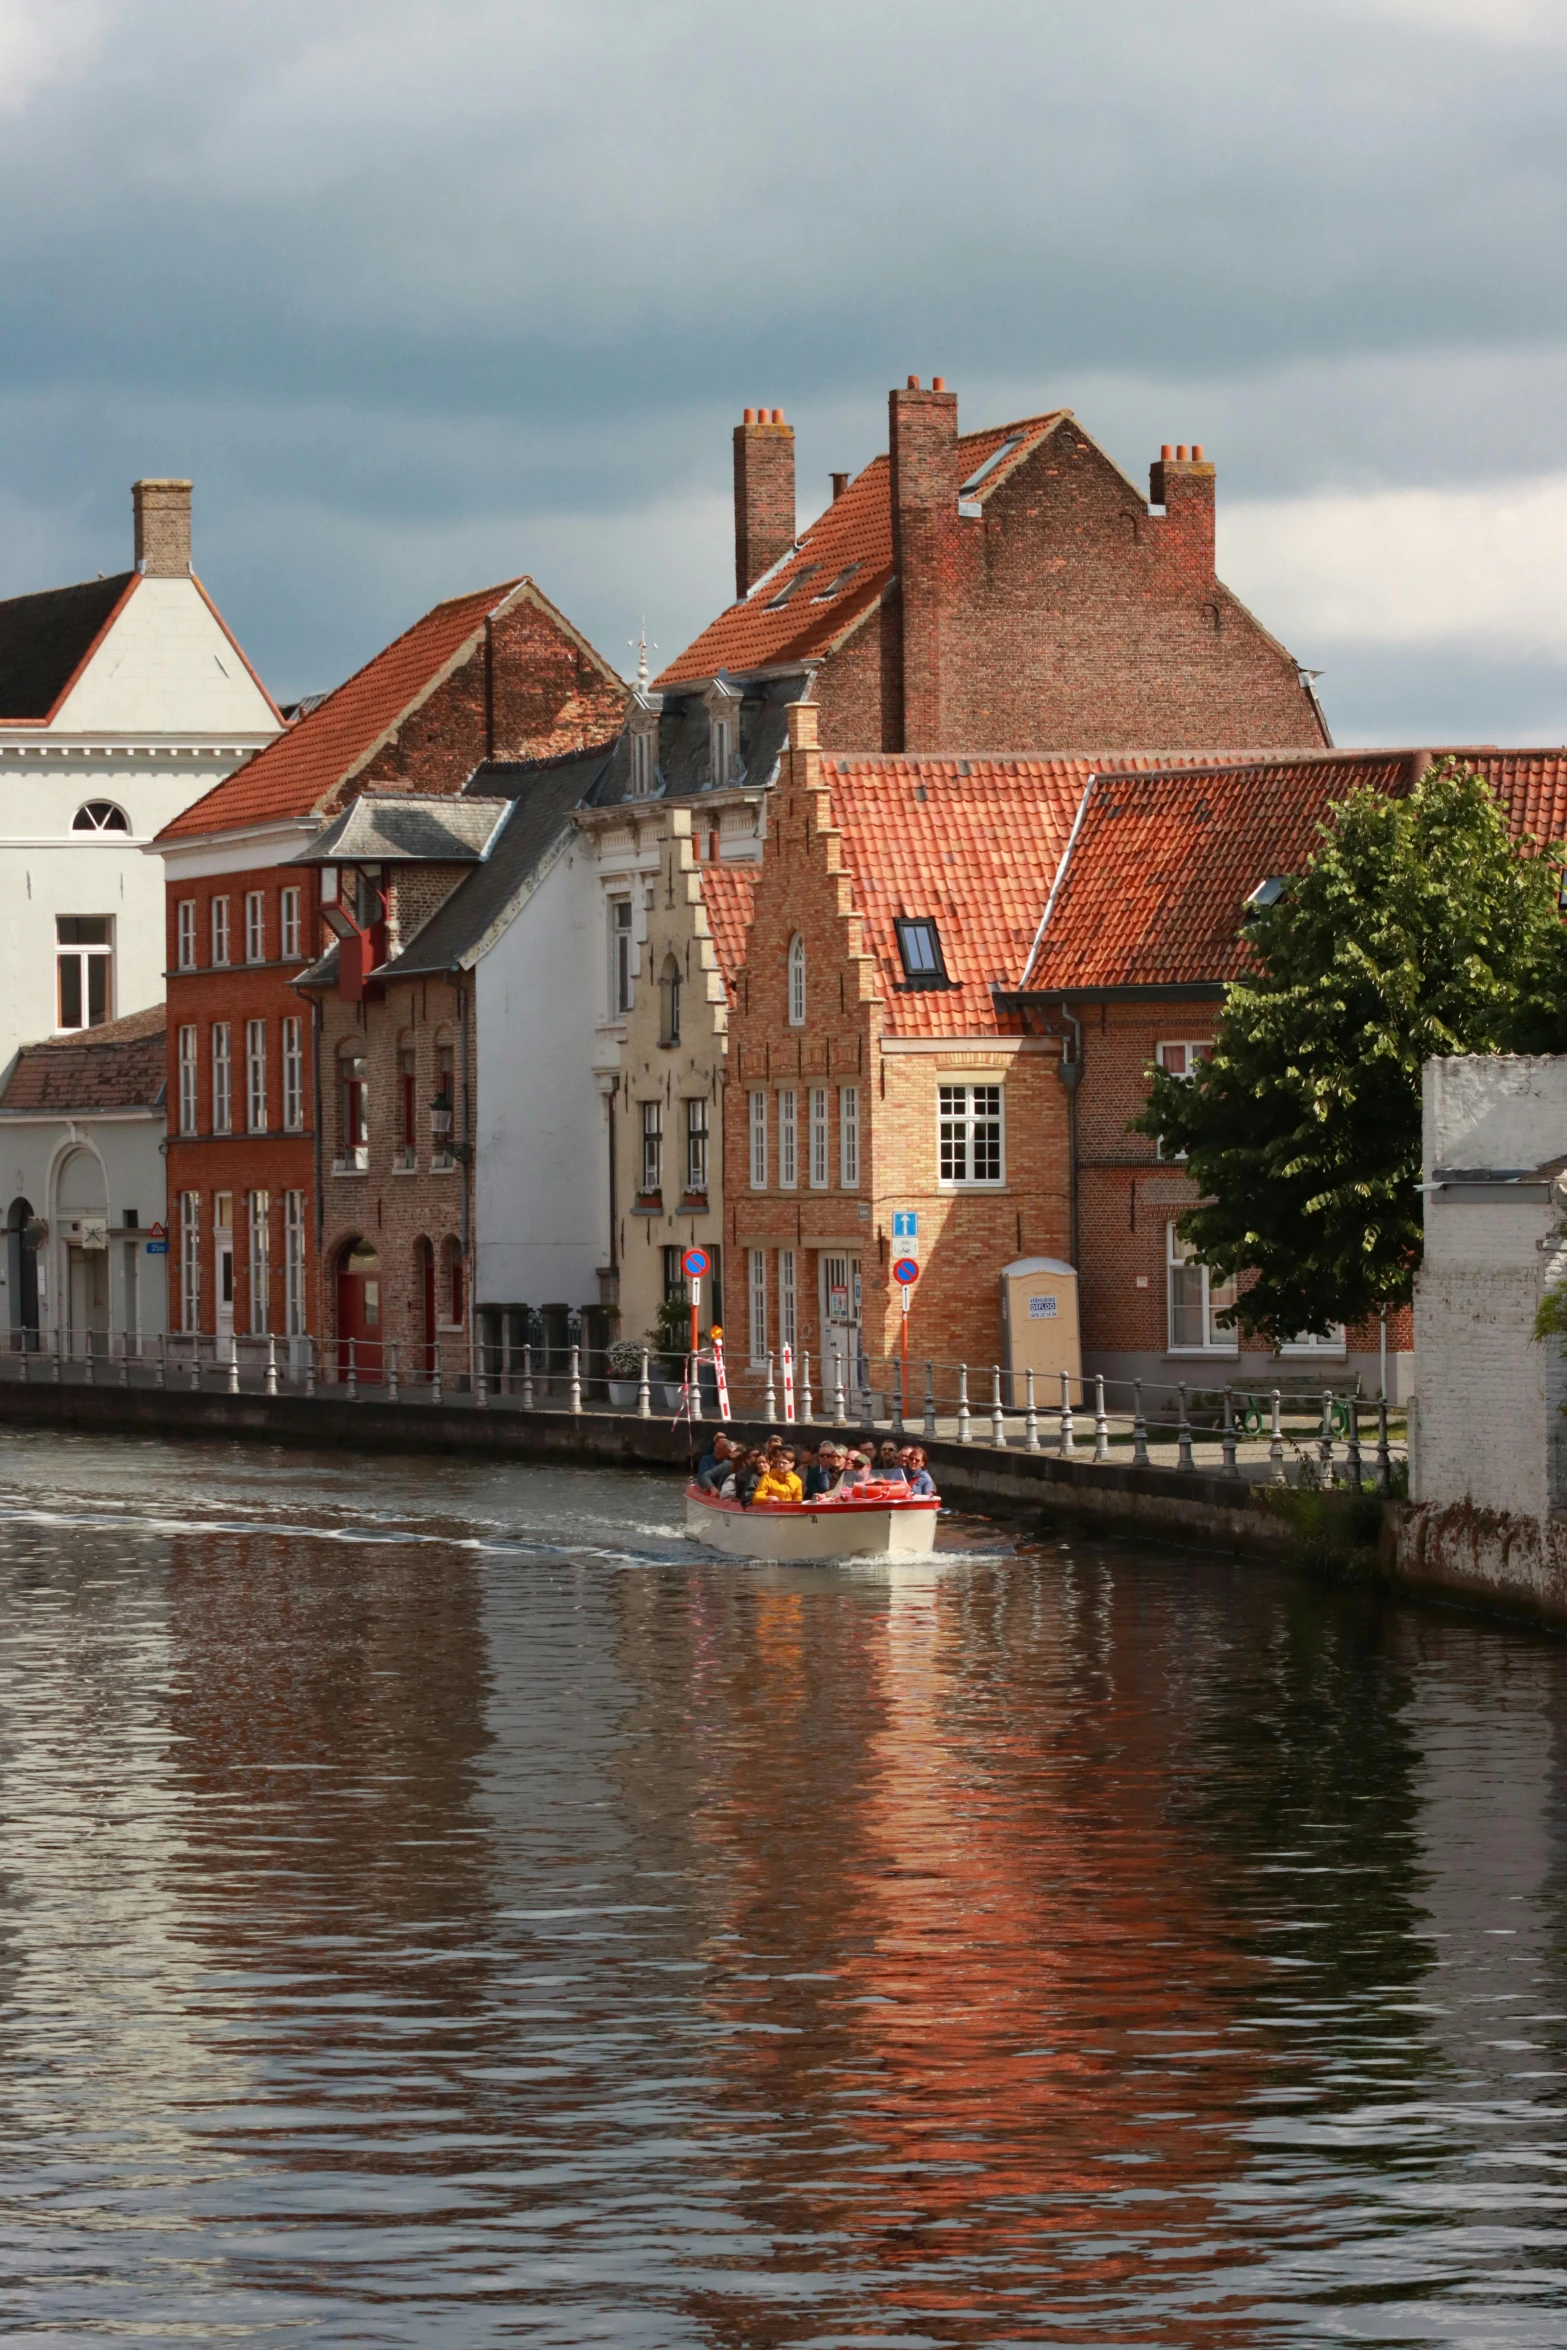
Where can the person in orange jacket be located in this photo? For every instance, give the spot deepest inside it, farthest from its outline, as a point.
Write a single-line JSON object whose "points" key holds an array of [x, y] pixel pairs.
{"points": [[778, 1480]]}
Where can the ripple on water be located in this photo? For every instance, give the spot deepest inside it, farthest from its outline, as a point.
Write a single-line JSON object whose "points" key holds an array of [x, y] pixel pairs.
{"points": [[439, 1907]]}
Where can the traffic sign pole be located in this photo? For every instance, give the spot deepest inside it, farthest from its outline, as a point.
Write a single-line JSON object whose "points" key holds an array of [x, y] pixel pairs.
{"points": [[905, 1272]]}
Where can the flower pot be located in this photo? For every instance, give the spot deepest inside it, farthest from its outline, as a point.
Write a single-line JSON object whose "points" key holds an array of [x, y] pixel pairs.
{"points": [[623, 1394]]}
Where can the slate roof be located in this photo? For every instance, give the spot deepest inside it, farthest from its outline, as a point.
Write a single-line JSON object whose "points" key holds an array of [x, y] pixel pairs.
{"points": [[119, 1066], [728, 893], [45, 638], [544, 796], [296, 775], [391, 829], [856, 529], [973, 844], [1162, 865]]}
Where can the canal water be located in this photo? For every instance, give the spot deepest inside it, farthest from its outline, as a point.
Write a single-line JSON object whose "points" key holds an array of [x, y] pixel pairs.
{"points": [[440, 1909]]}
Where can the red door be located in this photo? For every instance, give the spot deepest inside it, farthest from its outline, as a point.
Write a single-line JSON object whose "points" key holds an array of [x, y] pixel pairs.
{"points": [[427, 1277], [359, 1312]]}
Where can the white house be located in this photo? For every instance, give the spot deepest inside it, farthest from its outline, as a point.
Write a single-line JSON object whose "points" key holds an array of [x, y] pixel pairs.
{"points": [[122, 699], [81, 1181]]}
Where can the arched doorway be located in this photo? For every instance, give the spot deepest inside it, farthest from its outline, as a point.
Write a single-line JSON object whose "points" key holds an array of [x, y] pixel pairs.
{"points": [[82, 1221], [359, 1310], [21, 1274], [424, 1275]]}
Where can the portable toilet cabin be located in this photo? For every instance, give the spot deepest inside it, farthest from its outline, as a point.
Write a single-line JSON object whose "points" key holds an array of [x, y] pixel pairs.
{"points": [[1039, 1326]]}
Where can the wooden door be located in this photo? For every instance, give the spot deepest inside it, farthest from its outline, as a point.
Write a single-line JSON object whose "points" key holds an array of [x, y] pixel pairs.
{"points": [[359, 1312]]}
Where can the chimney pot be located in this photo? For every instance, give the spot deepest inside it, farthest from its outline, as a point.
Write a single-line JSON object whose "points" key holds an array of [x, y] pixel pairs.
{"points": [[938, 383], [1181, 453], [1166, 452], [840, 482], [778, 416], [1197, 453], [750, 416], [162, 514], [764, 495], [914, 383]]}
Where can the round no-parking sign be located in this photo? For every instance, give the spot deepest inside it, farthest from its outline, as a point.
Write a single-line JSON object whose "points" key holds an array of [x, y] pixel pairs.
{"points": [[694, 1263], [905, 1272]]}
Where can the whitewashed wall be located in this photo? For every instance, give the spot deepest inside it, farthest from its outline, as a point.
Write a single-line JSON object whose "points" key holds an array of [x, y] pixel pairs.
{"points": [[1489, 1422], [125, 1171]]}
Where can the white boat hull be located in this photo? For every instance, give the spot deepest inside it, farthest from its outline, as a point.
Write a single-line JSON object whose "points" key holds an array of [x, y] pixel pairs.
{"points": [[813, 1530]]}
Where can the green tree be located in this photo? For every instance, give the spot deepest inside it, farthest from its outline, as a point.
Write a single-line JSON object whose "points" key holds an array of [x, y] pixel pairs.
{"points": [[1416, 929]]}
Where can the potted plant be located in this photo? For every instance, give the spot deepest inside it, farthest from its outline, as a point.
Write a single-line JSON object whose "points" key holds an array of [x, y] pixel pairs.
{"points": [[672, 1341], [624, 1363]]}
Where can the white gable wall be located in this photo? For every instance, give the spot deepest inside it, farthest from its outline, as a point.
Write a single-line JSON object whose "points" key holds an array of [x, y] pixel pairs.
{"points": [[165, 666]]}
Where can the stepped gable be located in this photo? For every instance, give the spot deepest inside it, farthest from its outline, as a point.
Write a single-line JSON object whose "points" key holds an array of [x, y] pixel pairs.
{"points": [[780, 622], [300, 773], [121, 1065], [45, 639], [728, 893]]}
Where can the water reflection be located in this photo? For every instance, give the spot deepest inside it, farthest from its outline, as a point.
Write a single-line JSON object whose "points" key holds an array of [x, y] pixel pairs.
{"points": [[470, 1917]]}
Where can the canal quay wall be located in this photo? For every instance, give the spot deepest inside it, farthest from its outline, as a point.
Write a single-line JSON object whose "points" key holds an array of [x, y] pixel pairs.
{"points": [[1475, 1557]]}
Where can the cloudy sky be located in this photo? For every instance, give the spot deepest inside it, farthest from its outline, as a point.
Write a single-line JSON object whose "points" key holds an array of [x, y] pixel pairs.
{"points": [[426, 292]]}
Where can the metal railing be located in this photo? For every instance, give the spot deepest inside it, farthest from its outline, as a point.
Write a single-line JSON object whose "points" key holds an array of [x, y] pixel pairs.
{"points": [[1286, 1434]]}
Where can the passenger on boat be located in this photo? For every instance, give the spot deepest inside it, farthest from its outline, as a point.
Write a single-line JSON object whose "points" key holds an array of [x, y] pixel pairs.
{"points": [[889, 1464], [853, 1470], [715, 1464], [823, 1477], [920, 1479], [778, 1481]]}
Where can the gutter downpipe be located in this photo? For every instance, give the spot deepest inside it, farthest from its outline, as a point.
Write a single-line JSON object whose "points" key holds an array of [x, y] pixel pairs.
{"points": [[469, 1176], [316, 1025]]}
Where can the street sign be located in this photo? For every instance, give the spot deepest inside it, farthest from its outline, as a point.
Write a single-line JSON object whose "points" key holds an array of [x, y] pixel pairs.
{"points": [[157, 1248], [158, 1232], [694, 1263], [905, 1272], [905, 1224]]}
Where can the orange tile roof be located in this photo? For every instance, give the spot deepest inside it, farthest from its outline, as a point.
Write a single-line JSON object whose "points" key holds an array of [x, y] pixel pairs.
{"points": [[973, 843], [1163, 863], [728, 892], [296, 775], [856, 528]]}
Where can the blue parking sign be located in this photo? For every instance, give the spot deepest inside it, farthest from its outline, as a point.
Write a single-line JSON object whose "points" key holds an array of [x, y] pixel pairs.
{"points": [[905, 1224]]}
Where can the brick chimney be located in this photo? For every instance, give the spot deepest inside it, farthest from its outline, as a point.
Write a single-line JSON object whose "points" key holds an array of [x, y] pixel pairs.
{"points": [[1182, 481], [764, 494], [162, 528], [923, 437]]}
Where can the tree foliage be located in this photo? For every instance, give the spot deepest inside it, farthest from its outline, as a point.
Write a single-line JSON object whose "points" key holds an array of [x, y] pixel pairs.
{"points": [[1416, 930]]}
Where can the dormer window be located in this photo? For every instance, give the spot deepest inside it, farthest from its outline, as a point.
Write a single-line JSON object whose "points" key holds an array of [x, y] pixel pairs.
{"points": [[919, 944], [641, 764], [721, 747], [795, 581]]}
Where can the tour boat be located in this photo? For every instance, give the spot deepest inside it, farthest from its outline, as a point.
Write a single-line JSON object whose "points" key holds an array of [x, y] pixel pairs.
{"points": [[883, 1525]]}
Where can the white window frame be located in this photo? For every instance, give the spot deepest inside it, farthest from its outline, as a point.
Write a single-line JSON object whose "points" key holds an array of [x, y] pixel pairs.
{"points": [[788, 1300], [622, 955], [293, 1076], [255, 1076], [652, 1148], [1190, 1050], [819, 1138], [220, 933], [721, 746], [185, 935], [756, 1291], [190, 1260], [83, 953], [1211, 1301], [796, 976], [1333, 1346], [294, 1263], [260, 1266], [255, 925], [758, 1132], [190, 1081], [848, 1138], [788, 1139], [957, 1138], [288, 925], [222, 1079], [697, 1145]]}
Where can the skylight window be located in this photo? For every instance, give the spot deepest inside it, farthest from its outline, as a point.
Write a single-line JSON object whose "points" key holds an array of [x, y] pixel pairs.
{"points": [[982, 472], [1266, 893], [835, 587], [776, 603], [919, 944]]}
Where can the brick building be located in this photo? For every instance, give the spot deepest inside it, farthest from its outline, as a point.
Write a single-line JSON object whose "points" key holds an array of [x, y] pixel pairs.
{"points": [[870, 1071], [977, 591], [1145, 930], [498, 673]]}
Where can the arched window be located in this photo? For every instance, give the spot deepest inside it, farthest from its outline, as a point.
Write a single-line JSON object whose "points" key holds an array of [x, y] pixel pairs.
{"points": [[353, 1092], [100, 816], [452, 1301], [797, 981], [669, 1001]]}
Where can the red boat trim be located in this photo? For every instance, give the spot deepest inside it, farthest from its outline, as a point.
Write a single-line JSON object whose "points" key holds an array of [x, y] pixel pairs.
{"points": [[809, 1509]]}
